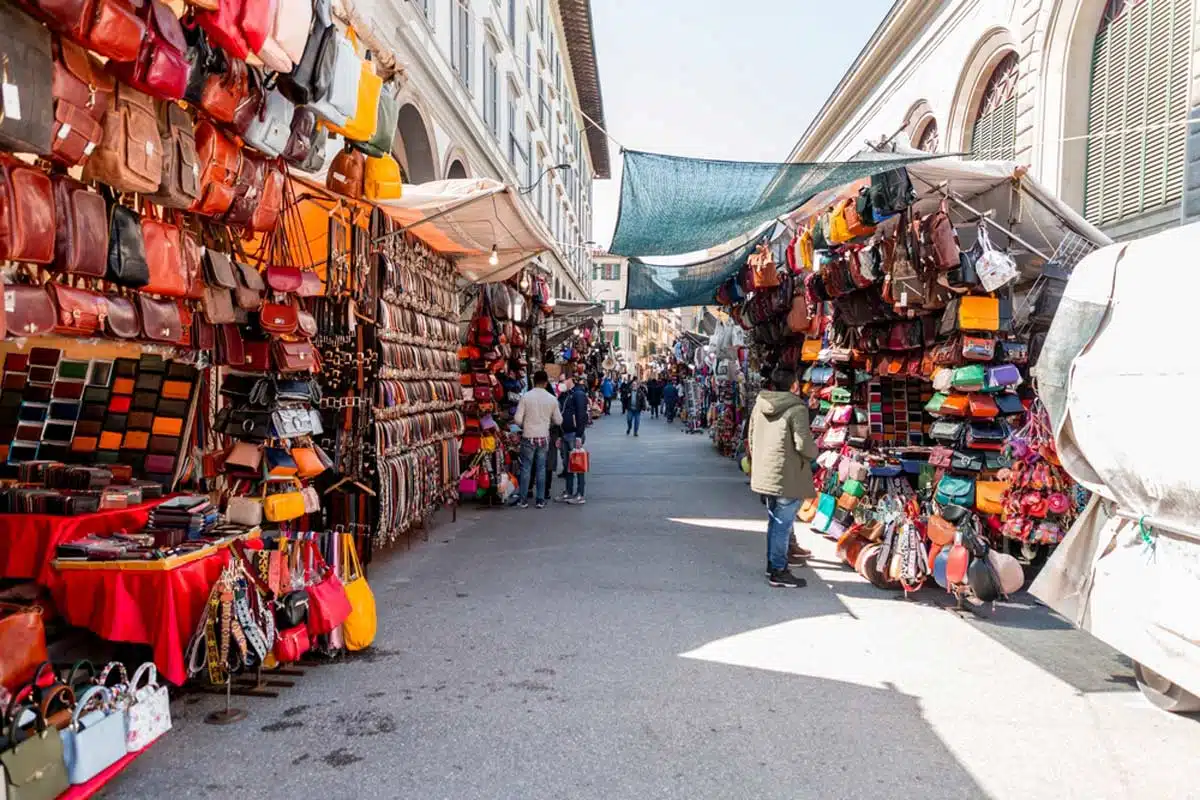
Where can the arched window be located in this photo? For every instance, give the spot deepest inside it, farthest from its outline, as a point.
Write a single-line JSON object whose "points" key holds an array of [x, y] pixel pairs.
{"points": [[994, 133], [928, 139], [1136, 104]]}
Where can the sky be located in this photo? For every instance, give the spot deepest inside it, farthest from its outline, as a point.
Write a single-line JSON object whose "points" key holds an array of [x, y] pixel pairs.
{"points": [[726, 79]]}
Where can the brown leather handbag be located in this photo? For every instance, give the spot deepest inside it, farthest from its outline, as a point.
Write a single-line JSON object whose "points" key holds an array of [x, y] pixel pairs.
{"points": [[277, 319], [266, 213], [164, 256], [247, 188], [220, 161], [129, 157], [33, 310], [81, 241], [218, 306], [224, 92], [295, 356], [122, 319], [110, 27], [22, 644], [160, 320], [80, 312], [251, 289], [26, 212], [83, 91], [346, 173], [193, 263], [27, 68], [179, 185]]}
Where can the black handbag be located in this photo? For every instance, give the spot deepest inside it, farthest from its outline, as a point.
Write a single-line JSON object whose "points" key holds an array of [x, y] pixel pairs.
{"points": [[309, 80], [126, 248], [244, 424], [291, 609], [203, 60], [28, 126], [966, 462]]}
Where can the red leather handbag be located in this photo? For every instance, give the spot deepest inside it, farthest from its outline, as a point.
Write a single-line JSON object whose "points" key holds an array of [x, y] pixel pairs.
{"points": [[193, 264], [328, 606], [161, 67], [83, 91], [220, 160], [295, 357], [231, 347], [277, 319], [258, 355], [164, 257], [110, 27], [33, 311], [160, 319], [80, 312], [291, 644], [266, 213], [27, 220], [224, 27], [81, 241], [224, 92], [121, 319], [284, 279], [247, 188]]}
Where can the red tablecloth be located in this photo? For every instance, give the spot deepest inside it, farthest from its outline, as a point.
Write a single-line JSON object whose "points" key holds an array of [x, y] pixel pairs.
{"points": [[160, 608], [27, 541]]}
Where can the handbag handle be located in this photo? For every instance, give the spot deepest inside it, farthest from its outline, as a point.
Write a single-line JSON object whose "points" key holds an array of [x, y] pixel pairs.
{"points": [[146, 668], [54, 693], [92, 692]]}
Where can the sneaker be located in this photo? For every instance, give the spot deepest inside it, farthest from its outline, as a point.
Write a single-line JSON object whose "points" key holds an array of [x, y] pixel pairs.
{"points": [[519, 504], [626, 433], [786, 580], [540, 504], [576, 501], [565, 498], [635, 434]]}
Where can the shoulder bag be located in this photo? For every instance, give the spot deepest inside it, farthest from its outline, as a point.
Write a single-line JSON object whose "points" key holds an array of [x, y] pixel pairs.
{"points": [[83, 91], [301, 136], [161, 67], [33, 310], [220, 160], [380, 143], [126, 248], [346, 173], [225, 91], [360, 124], [359, 627], [247, 188], [328, 606], [28, 126], [121, 318], [251, 288], [265, 216], [179, 184], [381, 179], [270, 127], [27, 212], [129, 157], [22, 642], [340, 103], [96, 738], [161, 320], [302, 86], [80, 312], [283, 506], [33, 766], [164, 256]]}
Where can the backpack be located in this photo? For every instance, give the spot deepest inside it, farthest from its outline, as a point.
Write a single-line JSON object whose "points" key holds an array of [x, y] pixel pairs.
{"points": [[891, 192]]}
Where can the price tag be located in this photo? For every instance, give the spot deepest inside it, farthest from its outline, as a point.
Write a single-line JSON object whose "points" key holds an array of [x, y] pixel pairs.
{"points": [[904, 298], [149, 147], [87, 151], [12, 101], [10, 301], [64, 131]]}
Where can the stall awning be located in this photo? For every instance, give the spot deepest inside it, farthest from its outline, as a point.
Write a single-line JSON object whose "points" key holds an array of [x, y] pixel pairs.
{"points": [[466, 219], [570, 316]]}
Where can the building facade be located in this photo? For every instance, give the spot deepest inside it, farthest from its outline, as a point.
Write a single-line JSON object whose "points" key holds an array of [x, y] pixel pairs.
{"points": [[502, 89], [1093, 95], [638, 339]]}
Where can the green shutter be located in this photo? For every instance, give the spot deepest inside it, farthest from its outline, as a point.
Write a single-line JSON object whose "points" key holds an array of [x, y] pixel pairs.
{"points": [[1139, 87], [616, 340]]}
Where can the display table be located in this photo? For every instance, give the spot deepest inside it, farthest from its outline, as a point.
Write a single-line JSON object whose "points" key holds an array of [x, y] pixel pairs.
{"points": [[155, 603], [28, 541]]}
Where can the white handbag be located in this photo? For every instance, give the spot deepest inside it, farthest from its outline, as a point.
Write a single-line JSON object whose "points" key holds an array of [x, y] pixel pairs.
{"points": [[246, 511], [149, 715], [341, 102], [272, 53], [312, 500], [271, 127], [292, 24]]}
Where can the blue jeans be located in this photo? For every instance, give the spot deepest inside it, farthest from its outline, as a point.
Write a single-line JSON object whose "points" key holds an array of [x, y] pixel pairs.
{"points": [[533, 462], [781, 521], [633, 421], [573, 478]]}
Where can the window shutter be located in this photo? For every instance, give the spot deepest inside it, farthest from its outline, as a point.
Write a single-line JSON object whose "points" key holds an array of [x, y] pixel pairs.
{"points": [[994, 134], [1136, 104]]}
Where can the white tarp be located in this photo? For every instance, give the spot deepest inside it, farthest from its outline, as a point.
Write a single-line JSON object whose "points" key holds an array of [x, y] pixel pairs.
{"points": [[1126, 431], [468, 217]]}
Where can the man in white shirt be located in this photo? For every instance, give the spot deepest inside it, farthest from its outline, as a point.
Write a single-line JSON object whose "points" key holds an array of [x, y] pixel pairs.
{"points": [[536, 412]]}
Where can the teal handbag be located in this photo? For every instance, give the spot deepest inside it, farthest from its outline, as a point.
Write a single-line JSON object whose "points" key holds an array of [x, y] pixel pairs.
{"points": [[826, 505], [969, 378], [935, 403], [854, 488], [953, 490]]}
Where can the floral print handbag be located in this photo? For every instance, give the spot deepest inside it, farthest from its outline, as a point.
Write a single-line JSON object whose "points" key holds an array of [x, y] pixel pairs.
{"points": [[149, 712]]}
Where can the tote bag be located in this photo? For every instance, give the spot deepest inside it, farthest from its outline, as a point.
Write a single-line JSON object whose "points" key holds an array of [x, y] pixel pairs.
{"points": [[359, 628]]}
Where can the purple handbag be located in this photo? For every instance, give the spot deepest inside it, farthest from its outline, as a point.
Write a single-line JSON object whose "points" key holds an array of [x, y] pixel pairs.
{"points": [[1003, 375]]}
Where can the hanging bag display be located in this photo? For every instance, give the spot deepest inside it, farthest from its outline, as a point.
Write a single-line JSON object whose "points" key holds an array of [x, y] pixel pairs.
{"points": [[328, 606], [96, 738], [358, 631]]}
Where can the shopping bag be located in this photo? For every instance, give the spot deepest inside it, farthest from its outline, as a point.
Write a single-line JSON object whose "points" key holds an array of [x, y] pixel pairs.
{"points": [[578, 460], [359, 627]]}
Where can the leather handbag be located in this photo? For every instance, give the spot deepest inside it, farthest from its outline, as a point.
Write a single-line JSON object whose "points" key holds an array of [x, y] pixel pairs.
{"points": [[328, 606], [387, 117], [179, 184], [126, 248], [129, 156], [26, 127], [164, 257], [359, 628], [278, 319], [247, 511], [270, 126], [96, 738], [283, 506], [112, 28], [27, 218], [149, 712], [301, 136], [284, 279], [83, 92], [32, 313], [33, 767], [982, 406], [266, 212], [161, 321], [247, 188], [161, 67], [955, 490], [220, 162], [225, 91], [304, 85], [360, 125], [295, 356], [121, 319], [306, 323], [251, 289], [308, 463], [346, 173], [81, 240], [271, 52], [291, 609], [80, 312], [381, 179], [245, 457], [291, 644], [989, 496], [338, 104], [315, 162], [22, 644], [218, 310]]}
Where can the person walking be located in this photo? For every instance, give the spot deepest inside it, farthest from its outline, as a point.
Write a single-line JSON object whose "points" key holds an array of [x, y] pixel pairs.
{"points": [[624, 392], [606, 391], [781, 451], [536, 412], [654, 393], [637, 404], [574, 404], [670, 399]]}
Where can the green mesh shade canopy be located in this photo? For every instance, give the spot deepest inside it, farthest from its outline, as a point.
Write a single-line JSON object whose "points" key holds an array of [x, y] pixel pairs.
{"points": [[672, 205], [653, 286]]}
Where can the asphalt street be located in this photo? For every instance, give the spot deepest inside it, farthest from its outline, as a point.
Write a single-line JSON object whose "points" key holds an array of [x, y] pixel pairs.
{"points": [[630, 648]]}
